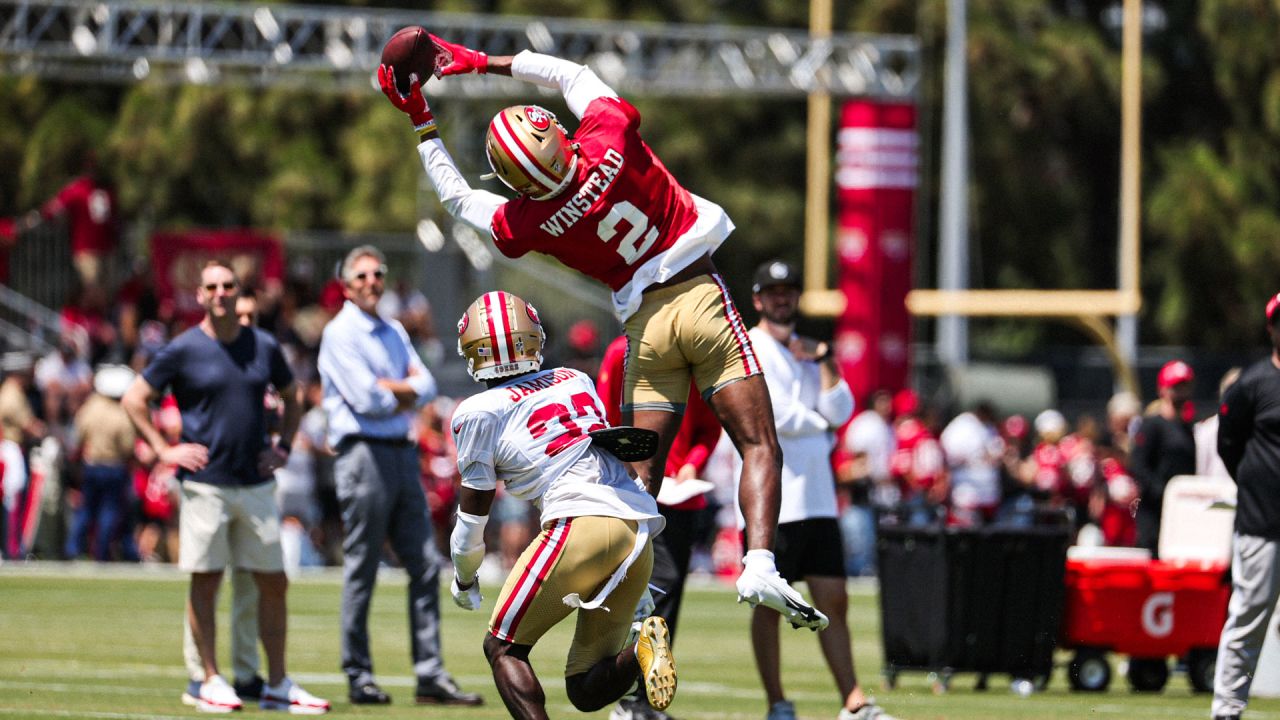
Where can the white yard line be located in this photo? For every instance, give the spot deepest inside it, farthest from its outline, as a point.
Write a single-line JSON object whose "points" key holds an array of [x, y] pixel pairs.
{"points": [[32, 712]]}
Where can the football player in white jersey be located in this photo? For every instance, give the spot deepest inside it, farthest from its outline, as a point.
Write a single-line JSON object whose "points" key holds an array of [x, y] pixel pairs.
{"points": [[543, 433]]}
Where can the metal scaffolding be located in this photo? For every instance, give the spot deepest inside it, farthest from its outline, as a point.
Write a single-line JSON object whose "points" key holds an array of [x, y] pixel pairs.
{"points": [[336, 49]]}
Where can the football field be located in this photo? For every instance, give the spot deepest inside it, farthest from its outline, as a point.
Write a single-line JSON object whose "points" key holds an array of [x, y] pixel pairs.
{"points": [[79, 641]]}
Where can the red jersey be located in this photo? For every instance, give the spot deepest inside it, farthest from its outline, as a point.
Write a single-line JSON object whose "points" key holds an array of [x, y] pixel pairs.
{"points": [[621, 209], [1081, 466], [1050, 468], [90, 213], [1117, 523], [917, 462]]}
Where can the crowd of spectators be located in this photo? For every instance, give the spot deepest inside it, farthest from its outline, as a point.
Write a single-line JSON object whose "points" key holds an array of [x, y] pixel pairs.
{"points": [[899, 457]]}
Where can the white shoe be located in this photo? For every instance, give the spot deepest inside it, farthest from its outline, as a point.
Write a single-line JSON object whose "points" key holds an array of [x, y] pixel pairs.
{"points": [[870, 711], [770, 590], [290, 696], [782, 710], [216, 696]]}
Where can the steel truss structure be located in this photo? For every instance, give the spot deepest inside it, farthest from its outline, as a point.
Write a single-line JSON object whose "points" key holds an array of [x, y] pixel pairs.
{"points": [[328, 49]]}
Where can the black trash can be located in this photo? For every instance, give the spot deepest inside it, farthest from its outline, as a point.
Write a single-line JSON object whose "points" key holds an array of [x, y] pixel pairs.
{"points": [[985, 600]]}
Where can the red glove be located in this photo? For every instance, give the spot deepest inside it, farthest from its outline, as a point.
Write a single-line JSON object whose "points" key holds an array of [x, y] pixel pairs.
{"points": [[414, 105], [459, 59]]}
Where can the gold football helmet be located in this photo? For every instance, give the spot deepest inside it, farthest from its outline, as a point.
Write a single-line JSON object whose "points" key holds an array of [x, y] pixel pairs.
{"points": [[500, 335], [530, 151]]}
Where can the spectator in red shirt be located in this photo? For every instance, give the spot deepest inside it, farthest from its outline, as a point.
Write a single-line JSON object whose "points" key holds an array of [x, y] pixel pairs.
{"points": [[88, 204], [917, 463], [1046, 469]]}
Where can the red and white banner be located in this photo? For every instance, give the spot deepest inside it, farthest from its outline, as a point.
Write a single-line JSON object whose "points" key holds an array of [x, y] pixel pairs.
{"points": [[178, 257], [876, 176]]}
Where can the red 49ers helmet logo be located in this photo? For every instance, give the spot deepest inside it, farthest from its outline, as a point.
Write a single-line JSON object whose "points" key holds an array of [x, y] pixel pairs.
{"points": [[540, 119], [463, 322], [533, 314]]}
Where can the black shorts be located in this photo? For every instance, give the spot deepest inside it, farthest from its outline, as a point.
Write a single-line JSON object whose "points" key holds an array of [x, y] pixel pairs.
{"points": [[809, 548]]}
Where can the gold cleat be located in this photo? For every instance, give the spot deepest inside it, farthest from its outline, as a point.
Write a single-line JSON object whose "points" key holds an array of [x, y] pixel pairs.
{"points": [[657, 666]]}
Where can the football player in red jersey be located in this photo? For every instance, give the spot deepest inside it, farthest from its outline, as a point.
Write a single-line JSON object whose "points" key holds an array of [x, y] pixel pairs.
{"points": [[602, 203]]}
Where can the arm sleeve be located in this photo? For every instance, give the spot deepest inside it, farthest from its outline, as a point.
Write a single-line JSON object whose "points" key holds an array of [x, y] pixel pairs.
{"points": [[791, 416], [1234, 426], [473, 207], [578, 83], [420, 378], [163, 368], [59, 203], [466, 544], [476, 435], [836, 404], [341, 362]]}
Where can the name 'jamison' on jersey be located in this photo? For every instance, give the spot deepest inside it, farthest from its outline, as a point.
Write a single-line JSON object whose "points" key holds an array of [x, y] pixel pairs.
{"points": [[525, 389], [592, 188]]}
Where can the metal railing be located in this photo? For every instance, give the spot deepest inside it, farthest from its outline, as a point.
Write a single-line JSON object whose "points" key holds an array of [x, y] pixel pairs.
{"points": [[40, 278], [335, 48], [26, 324]]}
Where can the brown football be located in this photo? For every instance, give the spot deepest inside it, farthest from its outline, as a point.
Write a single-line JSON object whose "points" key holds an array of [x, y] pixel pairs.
{"points": [[410, 51]]}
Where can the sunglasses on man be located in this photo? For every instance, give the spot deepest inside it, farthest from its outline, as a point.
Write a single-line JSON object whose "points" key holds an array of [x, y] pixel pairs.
{"points": [[226, 286], [370, 274]]}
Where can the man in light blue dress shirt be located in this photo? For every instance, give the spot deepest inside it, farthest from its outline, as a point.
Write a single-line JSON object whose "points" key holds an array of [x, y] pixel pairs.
{"points": [[373, 382]]}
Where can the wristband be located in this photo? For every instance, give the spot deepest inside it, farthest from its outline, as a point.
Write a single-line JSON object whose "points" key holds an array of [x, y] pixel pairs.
{"points": [[423, 129]]}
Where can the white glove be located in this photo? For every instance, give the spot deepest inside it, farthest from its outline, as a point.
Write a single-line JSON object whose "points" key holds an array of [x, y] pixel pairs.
{"points": [[760, 584], [468, 599]]}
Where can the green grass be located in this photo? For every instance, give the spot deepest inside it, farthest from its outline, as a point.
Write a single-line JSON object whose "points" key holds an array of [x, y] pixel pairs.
{"points": [[79, 641]]}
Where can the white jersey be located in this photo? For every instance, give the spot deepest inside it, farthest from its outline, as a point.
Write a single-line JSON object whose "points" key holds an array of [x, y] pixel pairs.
{"points": [[532, 434]]}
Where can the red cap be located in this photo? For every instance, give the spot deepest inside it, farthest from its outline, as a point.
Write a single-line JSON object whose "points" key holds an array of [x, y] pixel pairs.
{"points": [[905, 402], [1173, 373], [1272, 304]]}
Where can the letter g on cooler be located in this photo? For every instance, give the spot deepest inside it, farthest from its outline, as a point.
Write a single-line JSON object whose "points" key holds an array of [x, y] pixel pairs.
{"points": [[1157, 615]]}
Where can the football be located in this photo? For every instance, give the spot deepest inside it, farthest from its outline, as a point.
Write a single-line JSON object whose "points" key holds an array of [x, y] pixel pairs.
{"points": [[410, 51]]}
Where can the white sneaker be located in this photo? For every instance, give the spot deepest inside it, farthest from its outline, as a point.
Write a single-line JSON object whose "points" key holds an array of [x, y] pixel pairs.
{"points": [[770, 590], [217, 696], [782, 710], [870, 711], [290, 696]]}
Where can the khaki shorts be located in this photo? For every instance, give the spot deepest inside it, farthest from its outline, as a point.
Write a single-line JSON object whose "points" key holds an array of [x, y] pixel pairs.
{"points": [[687, 331], [574, 555], [221, 527]]}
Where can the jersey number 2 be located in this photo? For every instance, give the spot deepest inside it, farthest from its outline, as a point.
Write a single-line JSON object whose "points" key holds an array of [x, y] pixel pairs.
{"points": [[584, 407], [639, 222]]}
